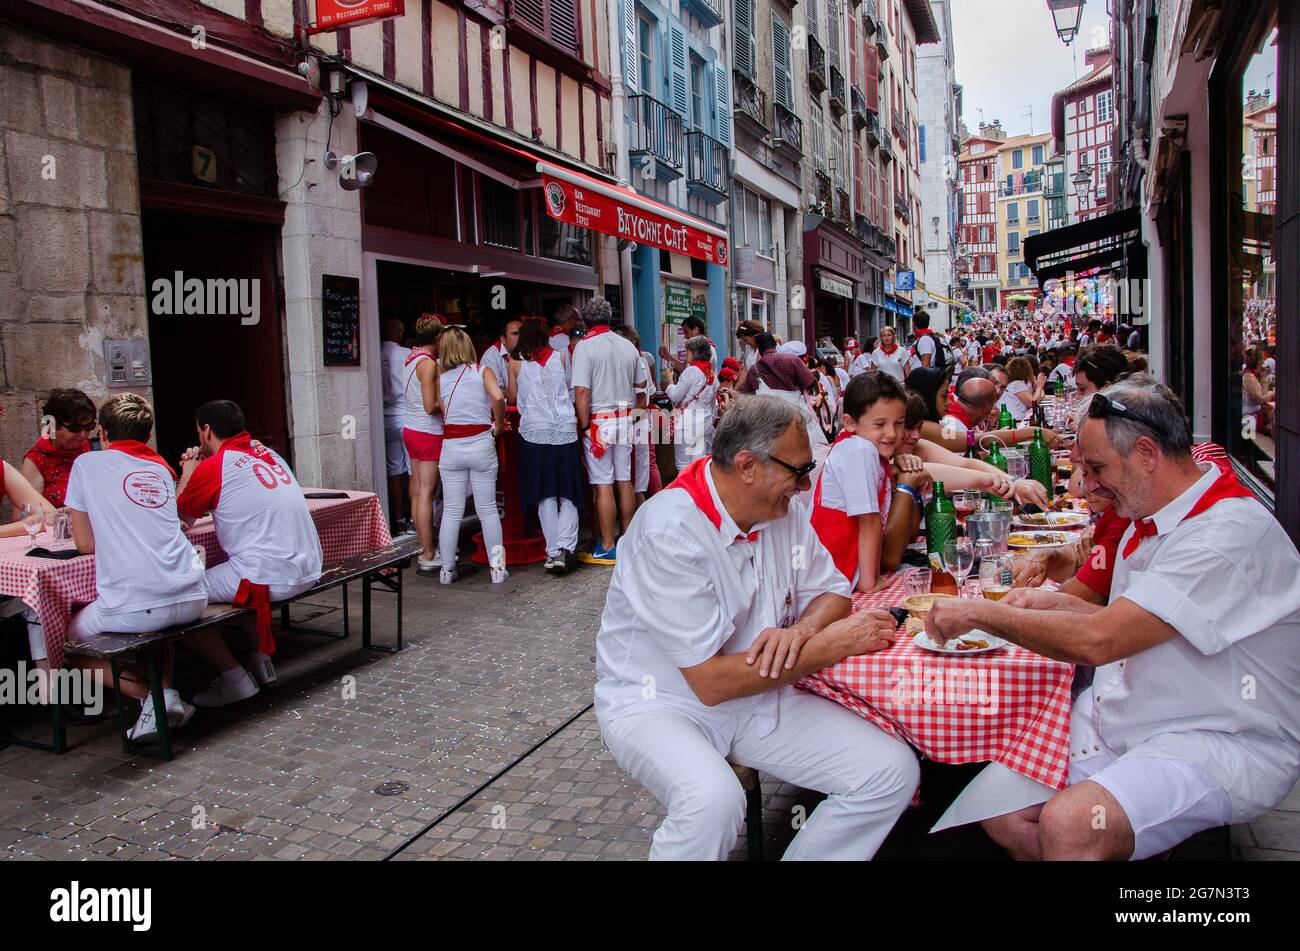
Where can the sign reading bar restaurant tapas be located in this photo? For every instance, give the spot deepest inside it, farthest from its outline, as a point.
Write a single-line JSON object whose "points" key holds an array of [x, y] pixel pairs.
{"points": [[336, 14], [600, 208]]}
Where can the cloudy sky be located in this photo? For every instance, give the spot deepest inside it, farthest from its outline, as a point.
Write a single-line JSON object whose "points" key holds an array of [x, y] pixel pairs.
{"points": [[1010, 60]]}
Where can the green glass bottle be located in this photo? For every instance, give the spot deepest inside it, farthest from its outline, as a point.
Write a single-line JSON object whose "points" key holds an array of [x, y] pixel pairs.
{"points": [[995, 457], [940, 526], [1059, 390], [1040, 463], [1006, 420]]}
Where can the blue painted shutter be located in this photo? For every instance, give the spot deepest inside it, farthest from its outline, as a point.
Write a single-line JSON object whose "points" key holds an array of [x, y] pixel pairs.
{"points": [[722, 109], [631, 47], [678, 79]]}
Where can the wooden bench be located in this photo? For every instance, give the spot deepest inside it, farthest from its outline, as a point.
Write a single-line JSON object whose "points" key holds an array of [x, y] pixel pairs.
{"points": [[382, 567]]}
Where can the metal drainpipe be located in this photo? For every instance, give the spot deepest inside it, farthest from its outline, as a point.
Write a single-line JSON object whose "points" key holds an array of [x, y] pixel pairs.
{"points": [[622, 168]]}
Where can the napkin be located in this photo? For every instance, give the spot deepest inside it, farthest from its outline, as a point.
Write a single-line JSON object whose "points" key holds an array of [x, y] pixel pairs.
{"points": [[996, 791]]}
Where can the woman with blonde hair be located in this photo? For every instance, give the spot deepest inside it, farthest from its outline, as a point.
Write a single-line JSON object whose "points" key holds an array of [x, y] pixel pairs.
{"points": [[422, 432], [1024, 391], [473, 412]]}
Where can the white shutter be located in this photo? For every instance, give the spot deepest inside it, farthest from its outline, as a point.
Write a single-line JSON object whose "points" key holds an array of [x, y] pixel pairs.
{"points": [[833, 32], [678, 87], [631, 47], [722, 110]]}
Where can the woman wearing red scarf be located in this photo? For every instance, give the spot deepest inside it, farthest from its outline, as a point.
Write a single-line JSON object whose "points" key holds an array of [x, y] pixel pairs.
{"points": [[889, 357], [695, 394], [67, 424]]}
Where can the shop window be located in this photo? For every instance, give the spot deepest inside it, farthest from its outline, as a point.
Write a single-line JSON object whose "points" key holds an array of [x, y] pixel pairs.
{"points": [[500, 204], [564, 241], [417, 191]]}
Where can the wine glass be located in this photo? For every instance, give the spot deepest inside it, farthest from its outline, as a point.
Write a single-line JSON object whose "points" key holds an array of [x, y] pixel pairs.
{"points": [[33, 522], [966, 502], [958, 559]]}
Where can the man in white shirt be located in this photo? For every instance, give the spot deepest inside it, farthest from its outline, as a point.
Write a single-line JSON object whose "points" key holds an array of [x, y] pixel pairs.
{"points": [[691, 327], [392, 359], [562, 326], [262, 523], [925, 347], [497, 356], [709, 621], [1192, 720], [147, 574], [607, 372]]}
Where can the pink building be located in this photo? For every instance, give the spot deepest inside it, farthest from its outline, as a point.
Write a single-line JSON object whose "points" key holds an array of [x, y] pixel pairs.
{"points": [[1083, 124]]}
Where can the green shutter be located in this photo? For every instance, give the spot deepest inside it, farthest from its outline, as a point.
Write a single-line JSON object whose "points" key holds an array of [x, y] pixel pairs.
{"points": [[743, 15]]}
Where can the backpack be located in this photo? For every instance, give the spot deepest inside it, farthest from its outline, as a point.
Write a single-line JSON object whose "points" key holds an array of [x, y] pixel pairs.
{"points": [[943, 358]]}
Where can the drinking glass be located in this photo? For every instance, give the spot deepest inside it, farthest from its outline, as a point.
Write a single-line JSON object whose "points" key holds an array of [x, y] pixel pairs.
{"points": [[1017, 465], [958, 559], [33, 522], [995, 577], [918, 582], [966, 502]]}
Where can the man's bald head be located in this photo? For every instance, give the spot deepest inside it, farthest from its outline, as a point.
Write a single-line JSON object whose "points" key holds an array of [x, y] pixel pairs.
{"points": [[978, 393]]}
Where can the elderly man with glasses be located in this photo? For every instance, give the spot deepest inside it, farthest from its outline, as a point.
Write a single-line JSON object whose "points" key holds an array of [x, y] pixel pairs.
{"points": [[722, 597], [1193, 717]]}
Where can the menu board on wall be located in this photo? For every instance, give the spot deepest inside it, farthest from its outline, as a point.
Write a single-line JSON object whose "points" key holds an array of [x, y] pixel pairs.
{"points": [[340, 309], [677, 307]]}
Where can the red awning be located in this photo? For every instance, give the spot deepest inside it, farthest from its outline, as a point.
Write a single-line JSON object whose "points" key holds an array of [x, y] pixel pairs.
{"points": [[614, 209]]}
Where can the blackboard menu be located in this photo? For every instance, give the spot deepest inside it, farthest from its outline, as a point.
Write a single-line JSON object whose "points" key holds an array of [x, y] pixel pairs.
{"points": [[340, 307]]}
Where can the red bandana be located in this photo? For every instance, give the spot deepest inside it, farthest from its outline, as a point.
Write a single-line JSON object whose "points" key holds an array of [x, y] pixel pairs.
{"points": [[959, 412], [705, 367], [694, 483], [415, 354], [890, 351], [1225, 486], [54, 465], [542, 354], [595, 332], [138, 449]]}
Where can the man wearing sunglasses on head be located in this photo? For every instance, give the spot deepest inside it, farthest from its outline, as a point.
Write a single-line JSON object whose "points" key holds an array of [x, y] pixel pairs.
{"points": [[1192, 720], [721, 598]]}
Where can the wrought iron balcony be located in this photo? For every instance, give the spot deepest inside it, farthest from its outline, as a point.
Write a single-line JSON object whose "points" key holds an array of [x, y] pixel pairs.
{"points": [[889, 247], [788, 134], [843, 208], [900, 129], [750, 104], [816, 66], [862, 227], [886, 146], [902, 205], [706, 166], [869, 18], [825, 195], [882, 41], [708, 12], [656, 132], [839, 100], [859, 108], [873, 128]]}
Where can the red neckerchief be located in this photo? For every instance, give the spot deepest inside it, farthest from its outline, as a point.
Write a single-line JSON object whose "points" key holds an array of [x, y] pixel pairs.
{"points": [[243, 442], [705, 367], [1069, 362], [595, 332], [1225, 486], [959, 412], [415, 354], [258, 597], [890, 351], [922, 333], [542, 354], [694, 483], [54, 465], [138, 449]]}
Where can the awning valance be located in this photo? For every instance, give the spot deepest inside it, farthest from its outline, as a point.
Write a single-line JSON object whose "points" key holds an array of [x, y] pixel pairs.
{"points": [[1109, 241], [614, 209]]}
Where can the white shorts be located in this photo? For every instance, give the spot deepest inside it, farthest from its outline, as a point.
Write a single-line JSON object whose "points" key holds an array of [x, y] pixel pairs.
{"points": [[223, 583], [394, 447], [1166, 800], [90, 620], [615, 464]]}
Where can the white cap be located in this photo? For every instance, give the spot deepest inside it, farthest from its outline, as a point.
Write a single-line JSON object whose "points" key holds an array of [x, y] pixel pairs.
{"points": [[796, 348]]}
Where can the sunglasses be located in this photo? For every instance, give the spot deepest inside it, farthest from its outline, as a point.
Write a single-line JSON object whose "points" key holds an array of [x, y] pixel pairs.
{"points": [[1102, 406], [800, 472], [80, 428]]}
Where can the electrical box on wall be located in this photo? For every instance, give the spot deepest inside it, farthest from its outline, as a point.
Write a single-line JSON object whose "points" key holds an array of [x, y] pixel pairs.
{"points": [[127, 362]]}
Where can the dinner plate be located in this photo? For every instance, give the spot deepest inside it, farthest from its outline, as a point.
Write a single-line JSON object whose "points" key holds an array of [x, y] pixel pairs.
{"points": [[1057, 520], [923, 641], [1040, 540]]}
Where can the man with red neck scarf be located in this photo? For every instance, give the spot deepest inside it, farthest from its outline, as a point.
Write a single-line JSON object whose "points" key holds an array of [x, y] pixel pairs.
{"points": [[708, 622]]}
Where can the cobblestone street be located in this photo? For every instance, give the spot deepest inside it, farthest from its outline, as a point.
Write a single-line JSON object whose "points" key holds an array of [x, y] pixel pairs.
{"points": [[487, 676]]}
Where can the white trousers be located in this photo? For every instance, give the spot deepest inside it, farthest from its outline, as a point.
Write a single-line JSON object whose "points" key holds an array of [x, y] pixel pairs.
{"points": [[223, 584], [469, 465], [868, 776], [559, 518], [90, 620]]}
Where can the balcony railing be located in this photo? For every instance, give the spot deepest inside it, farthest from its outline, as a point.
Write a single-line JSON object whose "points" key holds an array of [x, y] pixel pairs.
{"points": [[788, 131], [750, 104], [816, 66], [900, 129], [873, 128], [1027, 187], [706, 165], [825, 196], [869, 18], [862, 227], [839, 100], [843, 207], [902, 205], [886, 146], [1054, 185], [882, 41], [656, 131], [859, 108]]}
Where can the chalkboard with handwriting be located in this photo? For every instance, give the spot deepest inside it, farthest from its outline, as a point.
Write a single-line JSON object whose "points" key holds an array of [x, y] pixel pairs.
{"points": [[340, 305]]}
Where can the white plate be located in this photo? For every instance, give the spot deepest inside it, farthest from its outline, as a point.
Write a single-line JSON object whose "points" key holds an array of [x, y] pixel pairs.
{"points": [[1061, 520], [923, 641], [1066, 539]]}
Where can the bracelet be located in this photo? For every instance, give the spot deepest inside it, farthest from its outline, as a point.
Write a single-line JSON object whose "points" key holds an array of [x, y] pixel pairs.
{"points": [[916, 496]]}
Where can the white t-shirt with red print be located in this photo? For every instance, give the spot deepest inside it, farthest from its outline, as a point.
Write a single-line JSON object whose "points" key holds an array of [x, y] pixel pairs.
{"points": [[142, 558], [259, 513]]}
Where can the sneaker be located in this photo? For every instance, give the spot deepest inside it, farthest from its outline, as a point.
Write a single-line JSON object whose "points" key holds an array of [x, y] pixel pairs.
{"points": [[555, 564], [263, 671], [146, 727], [597, 556], [499, 575], [221, 693], [406, 527], [448, 575], [570, 559], [178, 711], [428, 568]]}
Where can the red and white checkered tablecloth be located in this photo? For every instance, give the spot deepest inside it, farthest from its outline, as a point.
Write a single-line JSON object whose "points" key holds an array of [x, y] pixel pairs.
{"points": [[1009, 706], [347, 527]]}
